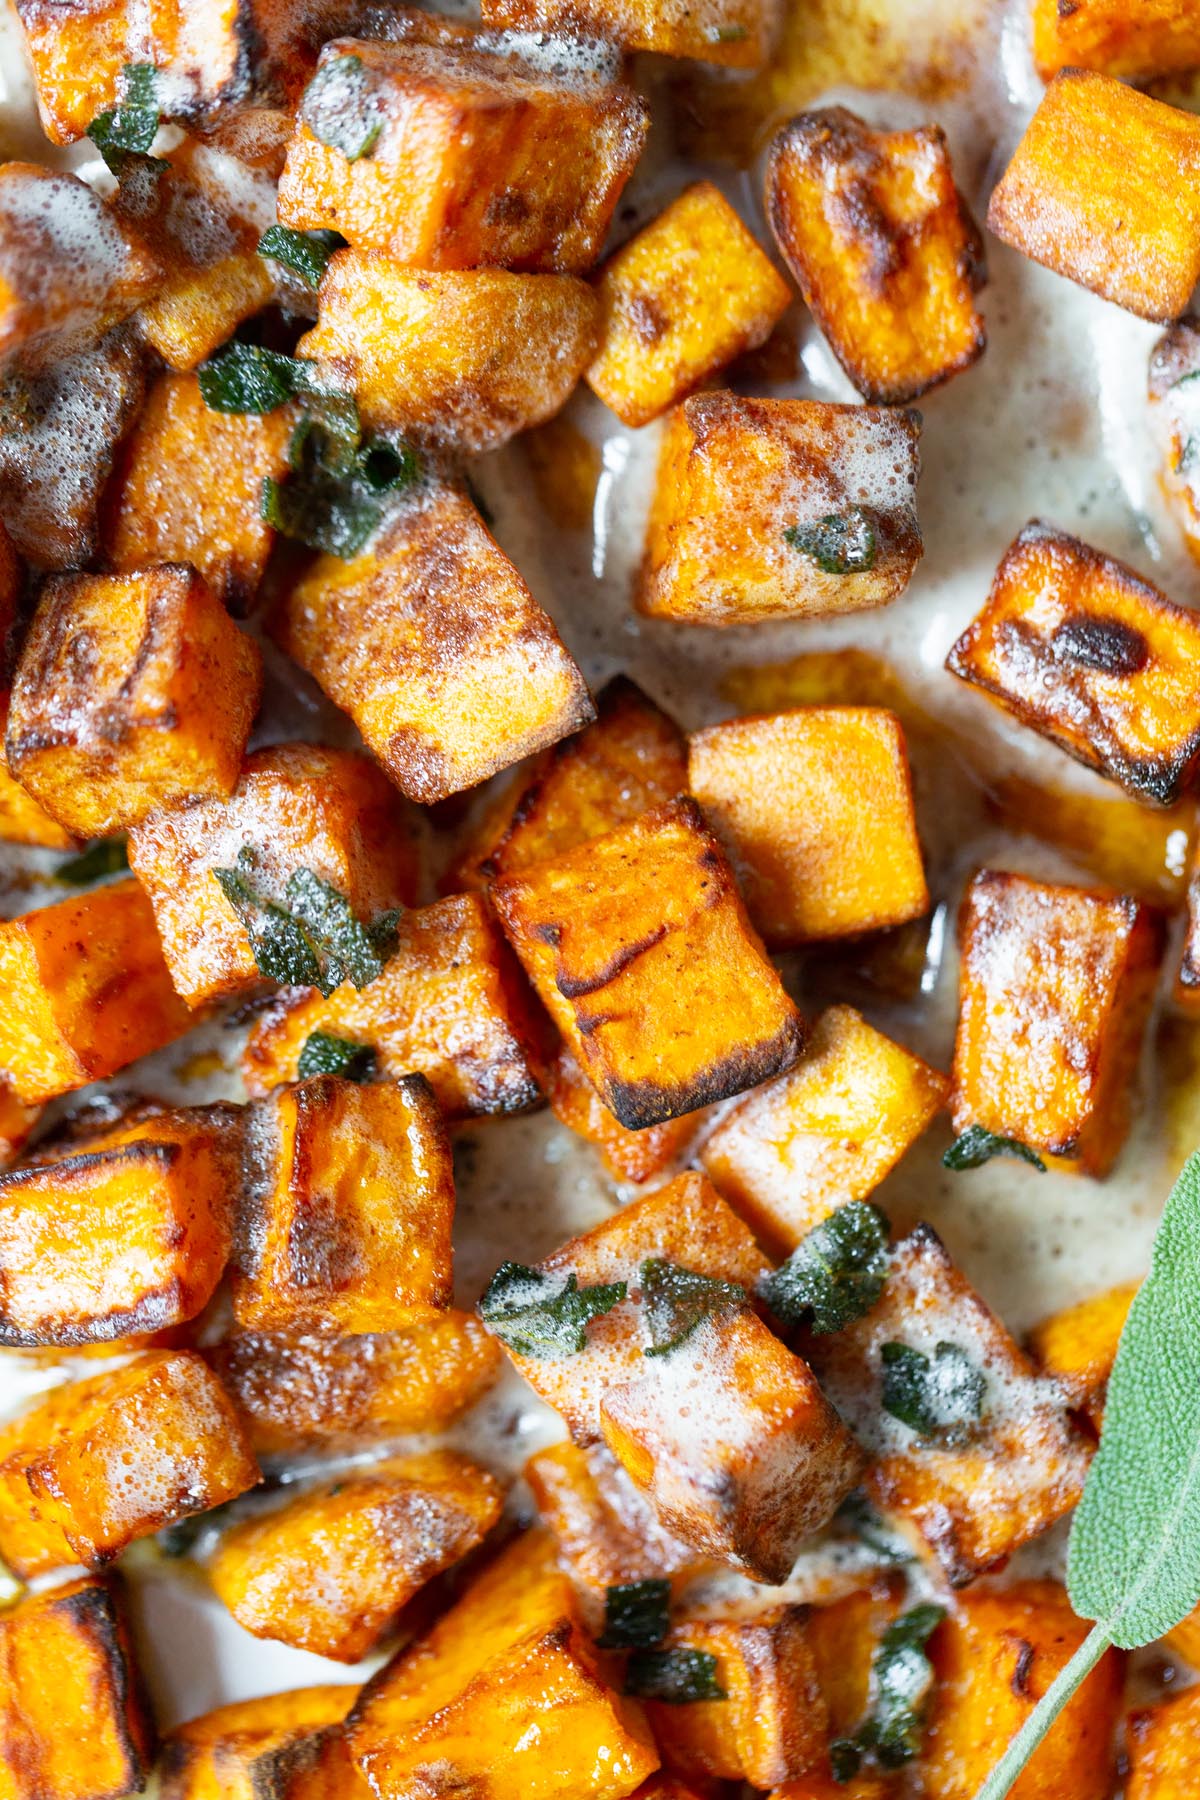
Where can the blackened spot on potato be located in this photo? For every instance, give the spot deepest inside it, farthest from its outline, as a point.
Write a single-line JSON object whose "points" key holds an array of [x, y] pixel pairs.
{"points": [[1108, 646]]}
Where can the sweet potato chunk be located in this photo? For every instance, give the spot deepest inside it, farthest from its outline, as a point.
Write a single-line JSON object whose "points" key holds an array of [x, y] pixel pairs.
{"points": [[736, 33], [994, 1657], [464, 358], [450, 1005], [997, 1473], [679, 301], [86, 991], [1079, 647], [1152, 38], [1163, 1746], [1078, 1346], [218, 1755], [120, 1234], [22, 820], [73, 1721], [629, 1155], [825, 1134], [780, 509], [331, 1570], [640, 948], [630, 758], [346, 1214], [16, 1124], [303, 1392], [98, 1463], [297, 806], [607, 1534], [132, 691], [188, 489], [1054, 987], [470, 158], [816, 810], [1102, 189], [502, 1698], [433, 644], [1121, 841]]}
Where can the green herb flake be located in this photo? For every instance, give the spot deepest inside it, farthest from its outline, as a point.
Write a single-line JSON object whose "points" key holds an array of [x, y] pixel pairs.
{"points": [[132, 125], [677, 1301], [246, 378], [107, 856], [341, 109], [311, 938], [728, 34], [325, 1054], [938, 1397], [836, 1272], [335, 498], [901, 1683], [977, 1145], [182, 1535], [677, 1676], [305, 253], [635, 1615], [840, 543], [857, 1515], [542, 1315]]}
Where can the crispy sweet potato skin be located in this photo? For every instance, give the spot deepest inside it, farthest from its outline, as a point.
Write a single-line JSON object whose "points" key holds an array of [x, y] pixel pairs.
{"points": [[735, 33], [884, 250], [1054, 987], [484, 128], [1138, 43], [639, 946], [218, 1755], [629, 1155], [735, 475], [692, 291], [606, 1532], [1078, 1346], [1102, 189]]}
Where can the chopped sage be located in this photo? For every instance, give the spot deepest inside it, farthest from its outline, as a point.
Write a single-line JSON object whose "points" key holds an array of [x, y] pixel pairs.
{"points": [[247, 378], [542, 1315], [341, 109], [836, 1272], [305, 253], [676, 1676], [131, 126], [901, 1683], [938, 1397], [335, 497], [864, 1521], [635, 1615], [311, 938], [977, 1145], [326, 1054], [676, 1301], [840, 543], [107, 856]]}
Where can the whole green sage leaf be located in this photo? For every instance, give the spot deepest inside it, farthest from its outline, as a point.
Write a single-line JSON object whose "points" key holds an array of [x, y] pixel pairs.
{"points": [[978, 1145], [544, 1315]]}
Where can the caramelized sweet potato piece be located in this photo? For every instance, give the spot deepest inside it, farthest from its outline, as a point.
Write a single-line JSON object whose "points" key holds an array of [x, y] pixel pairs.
{"points": [[1163, 1747], [640, 948], [1102, 189], [1009, 1462], [1183, 1640], [73, 1720], [994, 1656], [86, 989], [824, 1134], [1078, 1346], [297, 806], [22, 820], [1123, 842], [1079, 647], [450, 1005], [433, 644], [16, 1124], [465, 358], [1054, 986], [692, 291], [843, 1638], [120, 1234], [133, 691], [467, 1706], [188, 487], [302, 1392], [736, 33], [1138, 42], [216, 1756], [780, 509], [630, 1155], [815, 808], [98, 1463], [883, 248], [347, 1208], [820, 1784], [471, 159], [607, 1534]]}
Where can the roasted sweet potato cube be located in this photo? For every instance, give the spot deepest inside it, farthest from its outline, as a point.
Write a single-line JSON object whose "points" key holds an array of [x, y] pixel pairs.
{"points": [[1153, 38], [330, 1570], [433, 644], [502, 1697], [1054, 986], [450, 1005], [297, 806], [419, 150], [1121, 841], [737, 33], [1078, 1346], [315, 1766], [86, 991], [1102, 189], [1183, 1640], [825, 1134], [188, 486], [994, 1656], [98, 1463], [16, 1124], [1079, 647], [346, 1213], [639, 945], [820, 1784], [606, 1532], [73, 1721], [22, 820], [771, 1723], [629, 1155], [213, 1757], [464, 358], [977, 1478], [779, 509], [815, 808], [679, 301], [843, 1638], [882, 246], [132, 691], [119, 1235], [630, 758], [1163, 1748]]}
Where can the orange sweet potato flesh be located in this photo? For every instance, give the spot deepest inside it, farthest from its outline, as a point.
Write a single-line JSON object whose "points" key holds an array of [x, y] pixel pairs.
{"points": [[630, 1155], [1163, 1747], [214, 1757], [1078, 1345], [884, 250], [735, 33], [1153, 38], [606, 1533]]}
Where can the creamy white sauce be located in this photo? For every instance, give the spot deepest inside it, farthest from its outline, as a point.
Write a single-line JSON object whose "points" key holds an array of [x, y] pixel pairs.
{"points": [[1050, 423]]}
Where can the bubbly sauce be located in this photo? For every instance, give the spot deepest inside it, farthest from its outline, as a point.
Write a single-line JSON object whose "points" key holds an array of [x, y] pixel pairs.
{"points": [[1051, 423]]}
